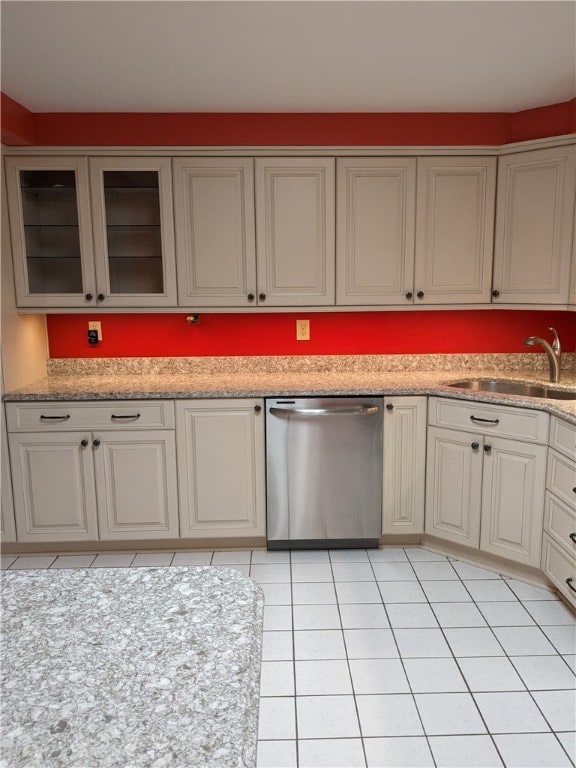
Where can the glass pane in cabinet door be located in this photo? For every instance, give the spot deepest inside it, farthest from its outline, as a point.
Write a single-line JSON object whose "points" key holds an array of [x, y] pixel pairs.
{"points": [[52, 238], [133, 231]]}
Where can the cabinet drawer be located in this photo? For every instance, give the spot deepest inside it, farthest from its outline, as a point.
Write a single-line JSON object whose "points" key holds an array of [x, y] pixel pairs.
{"points": [[559, 566], [121, 414], [560, 522], [561, 477], [563, 437], [487, 419]]}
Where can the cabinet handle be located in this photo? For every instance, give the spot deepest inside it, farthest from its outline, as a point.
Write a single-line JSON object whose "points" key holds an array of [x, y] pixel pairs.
{"points": [[54, 418], [574, 490], [408, 294], [262, 296], [569, 582], [101, 297], [495, 293], [474, 446], [84, 443], [96, 443], [487, 448], [89, 297], [389, 407], [257, 408], [484, 421], [127, 416], [251, 297], [420, 294]]}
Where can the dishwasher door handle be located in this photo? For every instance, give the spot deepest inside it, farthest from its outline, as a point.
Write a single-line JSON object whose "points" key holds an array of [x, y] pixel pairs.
{"points": [[362, 410]]}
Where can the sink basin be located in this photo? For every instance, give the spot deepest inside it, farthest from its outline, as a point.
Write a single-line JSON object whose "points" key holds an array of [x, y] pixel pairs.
{"points": [[506, 387]]}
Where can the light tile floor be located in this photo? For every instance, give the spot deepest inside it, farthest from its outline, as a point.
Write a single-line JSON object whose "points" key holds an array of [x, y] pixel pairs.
{"points": [[397, 657]]}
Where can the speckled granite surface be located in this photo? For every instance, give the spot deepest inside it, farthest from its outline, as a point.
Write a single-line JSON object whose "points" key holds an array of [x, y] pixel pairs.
{"points": [[130, 668]]}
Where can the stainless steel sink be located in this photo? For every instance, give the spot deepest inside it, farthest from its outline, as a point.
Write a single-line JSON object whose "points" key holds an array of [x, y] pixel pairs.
{"points": [[507, 387]]}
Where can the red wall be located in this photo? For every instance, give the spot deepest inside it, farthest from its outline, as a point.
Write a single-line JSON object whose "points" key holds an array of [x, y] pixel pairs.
{"points": [[331, 333]]}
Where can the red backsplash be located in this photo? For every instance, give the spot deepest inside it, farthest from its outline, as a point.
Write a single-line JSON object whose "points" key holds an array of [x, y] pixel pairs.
{"points": [[331, 333]]}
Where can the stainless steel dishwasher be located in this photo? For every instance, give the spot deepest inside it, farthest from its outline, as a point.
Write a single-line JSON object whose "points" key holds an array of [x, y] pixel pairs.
{"points": [[324, 472]]}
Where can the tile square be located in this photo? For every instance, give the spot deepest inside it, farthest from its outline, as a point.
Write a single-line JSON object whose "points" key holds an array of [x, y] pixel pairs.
{"points": [[370, 644], [400, 752], [232, 557], [571, 661], [408, 615], [568, 741], [388, 715], [270, 574], [6, 561], [501, 614], [458, 615], [524, 641], [309, 556], [319, 644], [112, 561], [394, 571], [473, 641], [545, 673], [549, 613], [441, 676], [528, 750], [311, 572], [563, 638], [378, 676], [348, 556], [277, 718], [358, 592], [489, 590], [558, 708], [323, 678], [313, 594], [263, 557], [277, 617], [363, 616], [326, 717], [277, 678], [435, 571], [494, 673], [153, 559], [277, 594], [331, 753], [35, 562], [276, 754], [316, 617], [510, 713], [446, 592], [387, 555], [73, 561], [192, 558], [464, 752], [525, 591], [449, 713], [422, 643], [353, 572], [418, 555], [401, 592], [469, 572], [277, 646]]}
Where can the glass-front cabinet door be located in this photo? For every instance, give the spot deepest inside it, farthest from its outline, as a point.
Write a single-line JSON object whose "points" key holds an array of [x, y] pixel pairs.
{"points": [[133, 231], [51, 231]]}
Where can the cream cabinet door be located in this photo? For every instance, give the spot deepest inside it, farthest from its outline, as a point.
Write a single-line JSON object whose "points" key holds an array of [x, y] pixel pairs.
{"points": [[215, 231], [375, 206], [295, 231], [534, 225], [454, 230], [136, 484], [221, 475], [7, 522], [454, 485], [572, 294], [53, 484], [513, 490], [404, 465]]}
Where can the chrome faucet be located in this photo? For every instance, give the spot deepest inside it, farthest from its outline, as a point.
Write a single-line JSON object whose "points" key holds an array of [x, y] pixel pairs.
{"points": [[553, 351]]}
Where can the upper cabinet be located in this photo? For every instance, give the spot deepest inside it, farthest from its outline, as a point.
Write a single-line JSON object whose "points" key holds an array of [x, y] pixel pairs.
{"points": [[534, 225], [92, 233]]}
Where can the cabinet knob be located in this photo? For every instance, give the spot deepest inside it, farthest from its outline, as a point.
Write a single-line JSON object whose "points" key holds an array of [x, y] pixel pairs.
{"points": [[84, 443], [257, 408], [569, 582], [420, 294], [101, 297], [262, 297], [495, 293], [389, 407], [487, 448], [408, 294], [96, 443], [89, 297], [573, 537], [573, 490], [474, 446], [251, 297]]}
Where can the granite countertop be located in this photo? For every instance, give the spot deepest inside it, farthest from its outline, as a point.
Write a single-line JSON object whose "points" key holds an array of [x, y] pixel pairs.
{"points": [[130, 668], [226, 382]]}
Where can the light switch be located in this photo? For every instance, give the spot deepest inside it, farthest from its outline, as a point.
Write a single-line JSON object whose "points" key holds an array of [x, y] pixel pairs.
{"points": [[95, 325]]}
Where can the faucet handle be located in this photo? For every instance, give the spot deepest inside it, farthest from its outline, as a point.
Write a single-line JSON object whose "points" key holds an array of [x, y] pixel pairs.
{"points": [[556, 343]]}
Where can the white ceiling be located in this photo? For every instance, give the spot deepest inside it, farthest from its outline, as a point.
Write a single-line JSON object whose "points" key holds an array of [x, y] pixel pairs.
{"points": [[288, 55]]}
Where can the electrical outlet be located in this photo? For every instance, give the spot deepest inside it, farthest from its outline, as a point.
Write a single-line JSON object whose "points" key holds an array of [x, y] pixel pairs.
{"points": [[302, 330], [96, 325]]}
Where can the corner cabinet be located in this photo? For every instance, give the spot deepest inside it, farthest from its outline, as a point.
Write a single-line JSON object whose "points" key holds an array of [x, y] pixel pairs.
{"points": [[534, 226], [221, 474], [92, 232]]}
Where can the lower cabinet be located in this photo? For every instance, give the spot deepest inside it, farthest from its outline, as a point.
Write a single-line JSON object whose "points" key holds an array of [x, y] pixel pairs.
{"points": [[404, 465], [221, 473]]}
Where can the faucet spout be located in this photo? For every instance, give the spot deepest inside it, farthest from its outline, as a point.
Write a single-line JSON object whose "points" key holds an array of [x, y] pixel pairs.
{"points": [[553, 352]]}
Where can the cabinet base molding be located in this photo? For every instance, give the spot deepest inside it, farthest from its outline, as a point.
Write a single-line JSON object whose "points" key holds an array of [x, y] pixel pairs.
{"points": [[165, 545]]}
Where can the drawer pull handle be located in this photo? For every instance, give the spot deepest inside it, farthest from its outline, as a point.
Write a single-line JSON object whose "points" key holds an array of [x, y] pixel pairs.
{"points": [[127, 416], [485, 421], [573, 537], [54, 418], [569, 582]]}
